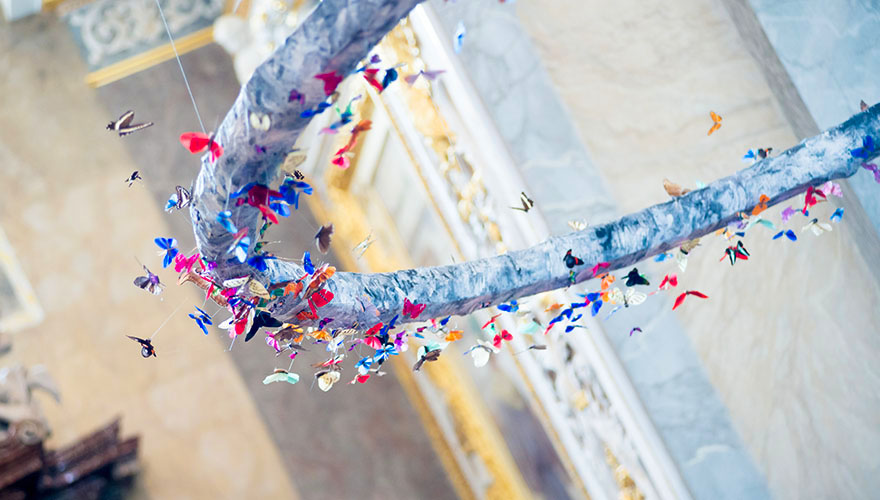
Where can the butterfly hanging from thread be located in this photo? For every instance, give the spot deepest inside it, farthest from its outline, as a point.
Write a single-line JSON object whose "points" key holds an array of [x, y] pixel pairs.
{"points": [[197, 142], [180, 199], [680, 299], [147, 349], [673, 189], [428, 75], [322, 239], [134, 177], [526, 202], [123, 125], [735, 253], [716, 122], [150, 282]]}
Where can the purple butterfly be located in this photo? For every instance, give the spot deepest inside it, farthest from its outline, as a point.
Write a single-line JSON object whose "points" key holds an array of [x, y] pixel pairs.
{"points": [[150, 282], [872, 168]]}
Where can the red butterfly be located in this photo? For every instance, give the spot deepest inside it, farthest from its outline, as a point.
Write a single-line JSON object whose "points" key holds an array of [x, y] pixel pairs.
{"points": [[681, 297], [372, 341], [669, 279], [319, 299], [412, 310], [268, 214], [331, 80], [370, 76], [810, 198], [504, 335], [491, 320], [197, 142], [341, 161], [374, 329]]}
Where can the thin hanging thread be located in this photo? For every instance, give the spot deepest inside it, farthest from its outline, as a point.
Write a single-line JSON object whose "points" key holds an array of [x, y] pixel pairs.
{"points": [[182, 72]]}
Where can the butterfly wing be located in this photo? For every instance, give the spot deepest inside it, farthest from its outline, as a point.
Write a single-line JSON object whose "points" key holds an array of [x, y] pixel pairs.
{"points": [[195, 142], [322, 239], [635, 298], [124, 120], [183, 197]]}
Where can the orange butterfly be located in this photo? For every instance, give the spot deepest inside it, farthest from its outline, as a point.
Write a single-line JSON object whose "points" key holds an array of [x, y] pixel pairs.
{"points": [[454, 335], [320, 335], [293, 288], [717, 124], [554, 307], [762, 204]]}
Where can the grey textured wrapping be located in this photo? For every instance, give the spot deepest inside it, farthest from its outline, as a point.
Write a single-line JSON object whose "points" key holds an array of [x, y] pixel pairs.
{"points": [[334, 37], [340, 33]]}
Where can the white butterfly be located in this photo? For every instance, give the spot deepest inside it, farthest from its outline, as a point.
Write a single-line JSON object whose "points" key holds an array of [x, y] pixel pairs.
{"points": [[481, 353], [577, 225], [817, 227], [260, 121], [630, 298], [682, 259], [327, 379]]}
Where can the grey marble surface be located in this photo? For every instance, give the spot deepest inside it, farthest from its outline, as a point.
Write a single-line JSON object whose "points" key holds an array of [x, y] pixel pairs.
{"points": [[831, 50], [565, 183], [507, 71]]}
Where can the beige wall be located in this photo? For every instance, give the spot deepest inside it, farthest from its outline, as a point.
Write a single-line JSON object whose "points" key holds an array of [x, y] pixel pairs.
{"points": [[789, 338], [76, 229]]}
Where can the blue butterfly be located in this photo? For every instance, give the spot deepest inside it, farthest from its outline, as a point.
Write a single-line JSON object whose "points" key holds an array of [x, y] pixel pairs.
{"points": [[239, 248], [390, 76], [569, 328], [458, 40], [596, 306], [363, 366], [171, 204], [788, 234], [289, 191], [259, 262], [662, 256], [225, 219], [867, 150], [317, 110], [384, 352], [202, 319], [837, 215], [281, 208], [307, 263], [169, 248], [512, 307]]}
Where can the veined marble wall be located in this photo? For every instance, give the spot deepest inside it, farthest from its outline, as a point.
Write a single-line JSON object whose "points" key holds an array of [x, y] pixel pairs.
{"points": [[542, 95], [789, 338], [831, 51]]}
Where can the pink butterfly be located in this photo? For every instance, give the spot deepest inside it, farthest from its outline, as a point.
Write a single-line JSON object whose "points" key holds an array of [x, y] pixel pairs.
{"points": [[598, 267], [504, 335], [187, 263], [412, 310], [831, 188]]}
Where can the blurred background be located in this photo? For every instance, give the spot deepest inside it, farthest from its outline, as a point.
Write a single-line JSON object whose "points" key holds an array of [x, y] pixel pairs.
{"points": [[768, 389]]}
